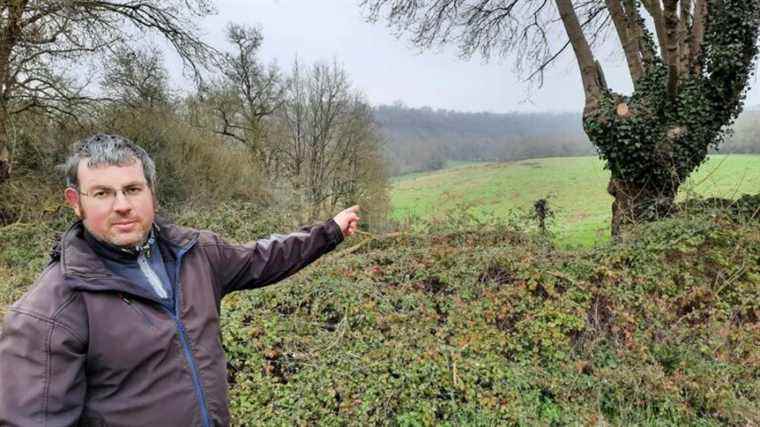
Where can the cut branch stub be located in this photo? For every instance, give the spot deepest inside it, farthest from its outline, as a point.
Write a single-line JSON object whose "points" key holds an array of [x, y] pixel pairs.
{"points": [[623, 110], [675, 133]]}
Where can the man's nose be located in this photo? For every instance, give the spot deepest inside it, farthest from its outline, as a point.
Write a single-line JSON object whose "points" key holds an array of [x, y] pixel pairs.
{"points": [[121, 203]]}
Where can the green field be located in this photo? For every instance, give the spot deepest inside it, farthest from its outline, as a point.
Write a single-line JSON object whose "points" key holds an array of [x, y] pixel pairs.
{"points": [[575, 187]]}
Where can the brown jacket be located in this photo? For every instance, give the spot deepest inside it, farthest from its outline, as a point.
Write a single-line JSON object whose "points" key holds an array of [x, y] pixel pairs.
{"points": [[85, 347]]}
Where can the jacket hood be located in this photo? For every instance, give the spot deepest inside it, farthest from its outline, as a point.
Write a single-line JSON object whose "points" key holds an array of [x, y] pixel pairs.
{"points": [[55, 251]]}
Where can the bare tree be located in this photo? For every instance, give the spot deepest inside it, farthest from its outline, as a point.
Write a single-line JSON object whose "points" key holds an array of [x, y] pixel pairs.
{"points": [[41, 39], [689, 75], [291, 126], [327, 138], [248, 91], [136, 78]]}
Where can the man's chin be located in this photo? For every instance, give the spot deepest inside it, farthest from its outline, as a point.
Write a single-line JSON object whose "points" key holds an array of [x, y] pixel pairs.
{"points": [[127, 240]]}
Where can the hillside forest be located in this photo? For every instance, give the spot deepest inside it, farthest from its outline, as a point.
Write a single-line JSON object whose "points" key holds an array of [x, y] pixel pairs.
{"points": [[425, 139]]}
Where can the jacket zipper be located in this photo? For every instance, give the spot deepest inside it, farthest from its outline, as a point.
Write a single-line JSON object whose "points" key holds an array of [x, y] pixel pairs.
{"points": [[185, 339]]}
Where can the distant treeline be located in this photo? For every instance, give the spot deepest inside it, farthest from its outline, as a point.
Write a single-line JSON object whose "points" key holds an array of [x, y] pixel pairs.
{"points": [[746, 134], [423, 139]]}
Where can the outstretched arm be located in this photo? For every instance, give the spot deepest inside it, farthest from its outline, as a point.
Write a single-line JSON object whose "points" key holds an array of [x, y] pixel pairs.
{"points": [[267, 261]]}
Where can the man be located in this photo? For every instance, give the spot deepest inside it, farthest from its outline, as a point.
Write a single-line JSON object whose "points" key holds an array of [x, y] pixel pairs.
{"points": [[122, 327]]}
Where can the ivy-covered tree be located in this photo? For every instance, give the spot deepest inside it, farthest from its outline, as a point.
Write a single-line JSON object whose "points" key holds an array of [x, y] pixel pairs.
{"points": [[689, 74]]}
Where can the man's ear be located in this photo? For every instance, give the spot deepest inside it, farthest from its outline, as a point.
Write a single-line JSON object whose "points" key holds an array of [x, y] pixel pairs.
{"points": [[72, 199]]}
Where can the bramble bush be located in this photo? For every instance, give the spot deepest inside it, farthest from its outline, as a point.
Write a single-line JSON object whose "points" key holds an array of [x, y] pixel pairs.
{"points": [[478, 327]]}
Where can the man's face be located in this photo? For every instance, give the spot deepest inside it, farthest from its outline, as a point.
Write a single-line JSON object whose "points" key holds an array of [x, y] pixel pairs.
{"points": [[115, 203]]}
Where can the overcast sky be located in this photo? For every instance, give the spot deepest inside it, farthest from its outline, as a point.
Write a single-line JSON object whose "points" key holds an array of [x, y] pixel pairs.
{"points": [[387, 69]]}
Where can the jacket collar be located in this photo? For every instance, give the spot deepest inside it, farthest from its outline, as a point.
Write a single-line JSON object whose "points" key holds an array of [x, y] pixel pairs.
{"points": [[115, 253], [79, 259], [178, 237]]}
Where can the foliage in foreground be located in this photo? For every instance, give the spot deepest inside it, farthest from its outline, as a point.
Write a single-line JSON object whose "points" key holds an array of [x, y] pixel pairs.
{"points": [[491, 326]]}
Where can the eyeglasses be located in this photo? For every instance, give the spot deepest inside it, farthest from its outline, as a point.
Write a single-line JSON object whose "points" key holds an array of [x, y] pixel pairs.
{"points": [[107, 196]]}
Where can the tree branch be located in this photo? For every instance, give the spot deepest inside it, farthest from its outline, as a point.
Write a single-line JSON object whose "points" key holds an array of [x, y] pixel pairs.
{"points": [[670, 18], [583, 54], [655, 11], [697, 37], [628, 39], [684, 39], [640, 33]]}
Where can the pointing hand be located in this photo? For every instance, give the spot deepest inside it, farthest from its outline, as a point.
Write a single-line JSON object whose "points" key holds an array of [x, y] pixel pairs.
{"points": [[348, 220]]}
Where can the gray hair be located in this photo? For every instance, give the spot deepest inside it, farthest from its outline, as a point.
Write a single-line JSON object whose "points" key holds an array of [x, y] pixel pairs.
{"points": [[108, 150]]}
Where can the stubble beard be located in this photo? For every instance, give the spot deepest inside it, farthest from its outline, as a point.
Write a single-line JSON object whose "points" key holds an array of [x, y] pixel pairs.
{"points": [[116, 239]]}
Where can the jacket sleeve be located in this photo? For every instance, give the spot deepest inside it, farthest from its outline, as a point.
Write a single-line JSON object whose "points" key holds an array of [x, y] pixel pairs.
{"points": [[269, 260], [42, 379]]}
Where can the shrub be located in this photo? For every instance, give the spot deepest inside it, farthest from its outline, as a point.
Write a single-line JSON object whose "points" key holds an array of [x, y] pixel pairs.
{"points": [[194, 166]]}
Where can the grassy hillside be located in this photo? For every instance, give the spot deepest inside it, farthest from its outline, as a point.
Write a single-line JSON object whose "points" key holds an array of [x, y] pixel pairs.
{"points": [[575, 186], [482, 324]]}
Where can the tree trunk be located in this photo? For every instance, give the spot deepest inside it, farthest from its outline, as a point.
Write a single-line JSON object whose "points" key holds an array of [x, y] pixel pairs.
{"points": [[5, 165], [635, 203], [5, 158], [12, 13], [591, 75]]}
